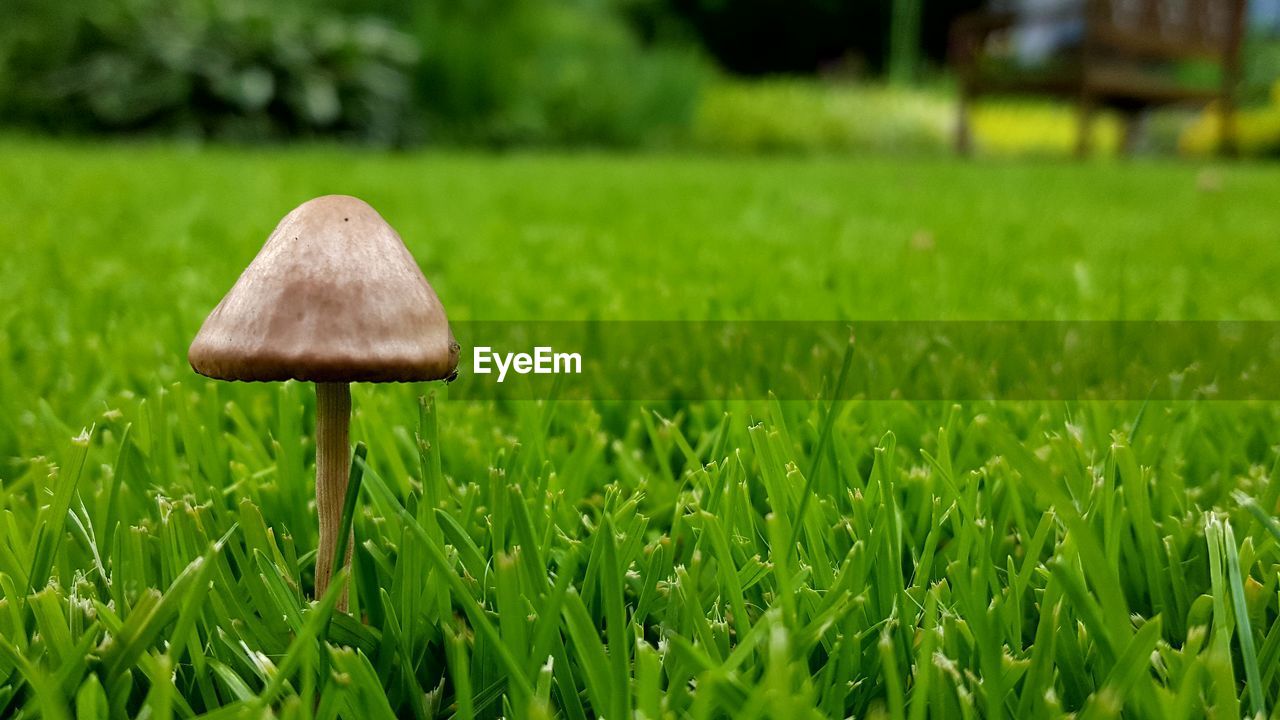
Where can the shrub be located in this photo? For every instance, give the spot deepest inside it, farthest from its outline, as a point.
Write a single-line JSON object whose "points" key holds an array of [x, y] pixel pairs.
{"points": [[1032, 126], [1258, 125], [797, 115], [227, 69], [806, 116], [1257, 130], [537, 71], [491, 71]]}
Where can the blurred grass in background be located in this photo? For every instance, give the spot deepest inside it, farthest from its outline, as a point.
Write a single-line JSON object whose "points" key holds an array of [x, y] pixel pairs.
{"points": [[656, 236]]}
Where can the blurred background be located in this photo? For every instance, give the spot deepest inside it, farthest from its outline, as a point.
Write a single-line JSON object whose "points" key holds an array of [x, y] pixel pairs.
{"points": [[736, 76]]}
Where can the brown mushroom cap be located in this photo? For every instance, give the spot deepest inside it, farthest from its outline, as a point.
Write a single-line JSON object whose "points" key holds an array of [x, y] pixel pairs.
{"points": [[333, 296]]}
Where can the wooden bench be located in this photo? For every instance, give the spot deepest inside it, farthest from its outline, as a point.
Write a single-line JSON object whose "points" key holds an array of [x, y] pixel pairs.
{"points": [[1112, 64]]}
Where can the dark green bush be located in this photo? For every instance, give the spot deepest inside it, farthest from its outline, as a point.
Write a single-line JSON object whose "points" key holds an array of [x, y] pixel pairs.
{"points": [[487, 71], [218, 68], [547, 71]]}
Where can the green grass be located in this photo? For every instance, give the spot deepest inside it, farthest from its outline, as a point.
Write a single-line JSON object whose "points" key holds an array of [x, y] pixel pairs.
{"points": [[606, 559]]}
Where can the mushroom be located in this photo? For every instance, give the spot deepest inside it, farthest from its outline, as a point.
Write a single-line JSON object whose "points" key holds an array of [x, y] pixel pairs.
{"points": [[334, 297]]}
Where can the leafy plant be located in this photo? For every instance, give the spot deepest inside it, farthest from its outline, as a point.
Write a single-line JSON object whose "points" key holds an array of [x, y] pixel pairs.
{"points": [[492, 71], [231, 70], [799, 115], [503, 72], [1257, 129]]}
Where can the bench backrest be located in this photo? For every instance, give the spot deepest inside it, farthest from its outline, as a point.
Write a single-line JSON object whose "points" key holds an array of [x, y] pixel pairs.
{"points": [[1168, 28]]}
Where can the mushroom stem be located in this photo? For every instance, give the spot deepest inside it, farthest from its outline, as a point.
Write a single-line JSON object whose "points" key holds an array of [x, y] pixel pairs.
{"points": [[333, 467]]}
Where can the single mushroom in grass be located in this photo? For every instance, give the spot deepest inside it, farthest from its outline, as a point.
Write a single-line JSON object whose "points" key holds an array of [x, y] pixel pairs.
{"points": [[333, 297]]}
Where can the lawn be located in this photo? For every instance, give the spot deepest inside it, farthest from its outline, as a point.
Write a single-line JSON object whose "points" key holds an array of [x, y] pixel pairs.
{"points": [[605, 559]]}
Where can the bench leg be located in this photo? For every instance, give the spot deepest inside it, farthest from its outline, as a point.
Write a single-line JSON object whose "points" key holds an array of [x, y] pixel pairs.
{"points": [[964, 131], [1228, 143], [1133, 127]]}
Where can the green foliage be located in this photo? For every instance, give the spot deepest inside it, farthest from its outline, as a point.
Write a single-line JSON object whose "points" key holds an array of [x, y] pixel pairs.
{"points": [[493, 71], [1257, 130], [811, 117], [1258, 121], [232, 70], [1045, 127], [504, 72], [683, 559], [802, 116]]}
